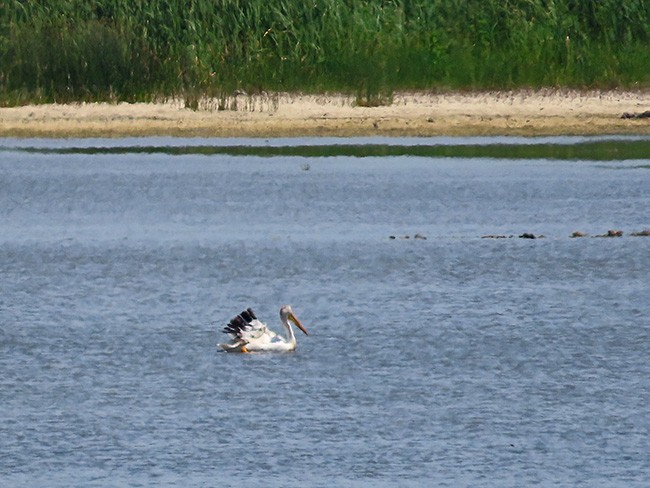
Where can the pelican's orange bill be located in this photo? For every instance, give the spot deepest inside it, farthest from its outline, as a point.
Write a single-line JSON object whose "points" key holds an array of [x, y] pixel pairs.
{"points": [[295, 320]]}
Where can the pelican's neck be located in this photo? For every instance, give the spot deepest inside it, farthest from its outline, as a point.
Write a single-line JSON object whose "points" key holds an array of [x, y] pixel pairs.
{"points": [[291, 338]]}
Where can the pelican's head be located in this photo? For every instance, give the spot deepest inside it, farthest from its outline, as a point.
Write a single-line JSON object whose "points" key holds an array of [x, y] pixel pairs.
{"points": [[286, 313]]}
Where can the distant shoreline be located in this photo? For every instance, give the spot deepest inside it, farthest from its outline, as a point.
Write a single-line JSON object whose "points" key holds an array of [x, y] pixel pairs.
{"points": [[523, 113]]}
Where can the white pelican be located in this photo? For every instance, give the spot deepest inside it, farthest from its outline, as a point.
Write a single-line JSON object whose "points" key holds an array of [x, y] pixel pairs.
{"points": [[250, 335]]}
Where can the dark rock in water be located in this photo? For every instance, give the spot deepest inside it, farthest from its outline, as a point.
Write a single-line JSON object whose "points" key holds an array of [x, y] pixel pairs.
{"points": [[643, 233], [642, 115], [416, 236], [527, 235], [578, 233], [612, 233]]}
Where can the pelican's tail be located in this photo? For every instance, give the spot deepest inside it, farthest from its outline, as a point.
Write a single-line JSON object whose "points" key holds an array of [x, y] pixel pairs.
{"points": [[234, 347]]}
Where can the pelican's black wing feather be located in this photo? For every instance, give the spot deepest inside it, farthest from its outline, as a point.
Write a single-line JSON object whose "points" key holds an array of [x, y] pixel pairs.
{"points": [[240, 323]]}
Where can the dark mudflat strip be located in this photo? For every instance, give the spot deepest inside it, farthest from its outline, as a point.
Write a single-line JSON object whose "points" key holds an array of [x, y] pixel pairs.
{"points": [[600, 150]]}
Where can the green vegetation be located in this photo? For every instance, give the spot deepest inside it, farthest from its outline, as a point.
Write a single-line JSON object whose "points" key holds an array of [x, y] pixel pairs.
{"points": [[608, 149], [137, 50]]}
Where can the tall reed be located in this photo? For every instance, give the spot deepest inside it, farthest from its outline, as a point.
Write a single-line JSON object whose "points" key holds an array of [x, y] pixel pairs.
{"points": [[64, 50]]}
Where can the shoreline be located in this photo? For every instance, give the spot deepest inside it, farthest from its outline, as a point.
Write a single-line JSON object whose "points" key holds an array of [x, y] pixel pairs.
{"points": [[520, 113]]}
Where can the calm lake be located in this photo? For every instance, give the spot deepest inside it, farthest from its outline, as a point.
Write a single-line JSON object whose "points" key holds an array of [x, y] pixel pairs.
{"points": [[450, 360]]}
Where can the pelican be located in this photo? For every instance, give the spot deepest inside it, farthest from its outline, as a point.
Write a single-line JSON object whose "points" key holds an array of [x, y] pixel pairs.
{"points": [[250, 335]]}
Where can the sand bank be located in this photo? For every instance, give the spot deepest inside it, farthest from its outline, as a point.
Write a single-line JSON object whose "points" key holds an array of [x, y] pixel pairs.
{"points": [[410, 114]]}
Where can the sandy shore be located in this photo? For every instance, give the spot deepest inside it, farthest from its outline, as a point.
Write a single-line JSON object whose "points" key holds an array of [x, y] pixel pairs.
{"points": [[419, 114]]}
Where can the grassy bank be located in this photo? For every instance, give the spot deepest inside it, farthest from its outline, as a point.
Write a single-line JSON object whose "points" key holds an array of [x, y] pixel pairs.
{"points": [[136, 50]]}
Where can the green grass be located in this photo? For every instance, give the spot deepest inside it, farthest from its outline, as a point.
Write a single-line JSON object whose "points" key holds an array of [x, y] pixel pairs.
{"points": [[136, 50]]}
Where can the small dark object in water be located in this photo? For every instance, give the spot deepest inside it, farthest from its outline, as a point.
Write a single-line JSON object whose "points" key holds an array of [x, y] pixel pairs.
{"points": [[495, 236], [643, 233], [420, 236], [392, 237], [612, 233], [578, 233], [641, 115], [527, 235]]}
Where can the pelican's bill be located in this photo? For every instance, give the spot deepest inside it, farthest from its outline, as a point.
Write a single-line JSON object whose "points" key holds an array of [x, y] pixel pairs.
{"points": [[297, 323]]}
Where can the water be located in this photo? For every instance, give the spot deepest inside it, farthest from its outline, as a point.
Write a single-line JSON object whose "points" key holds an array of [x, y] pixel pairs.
{"points": [[452, 361]]}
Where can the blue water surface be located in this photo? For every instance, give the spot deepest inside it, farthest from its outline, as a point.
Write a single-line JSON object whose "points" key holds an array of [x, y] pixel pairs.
{"points": [[447, 360]]}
